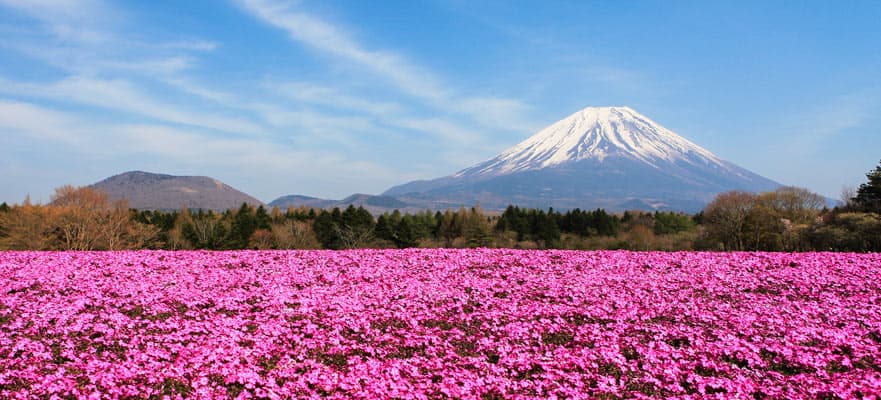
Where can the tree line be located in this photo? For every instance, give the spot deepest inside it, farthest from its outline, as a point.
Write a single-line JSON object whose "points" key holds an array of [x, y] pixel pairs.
{"points": [[786, 219]]}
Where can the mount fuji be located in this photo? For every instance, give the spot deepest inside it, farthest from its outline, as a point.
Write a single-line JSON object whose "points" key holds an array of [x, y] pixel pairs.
{"points": [[607, 157]]}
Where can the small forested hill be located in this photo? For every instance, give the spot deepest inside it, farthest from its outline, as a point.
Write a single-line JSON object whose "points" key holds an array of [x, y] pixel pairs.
{"points": [[149, 191]]}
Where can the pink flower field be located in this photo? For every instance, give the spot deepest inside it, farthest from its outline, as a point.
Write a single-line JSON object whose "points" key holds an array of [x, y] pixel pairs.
{"points": [[432, 324]]}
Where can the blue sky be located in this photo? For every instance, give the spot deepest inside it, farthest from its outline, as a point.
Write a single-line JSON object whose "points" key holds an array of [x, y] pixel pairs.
{"points": [[329, 98]]}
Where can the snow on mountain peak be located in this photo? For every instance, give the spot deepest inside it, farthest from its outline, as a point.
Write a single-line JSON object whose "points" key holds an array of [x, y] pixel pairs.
{"points": [[597, 133]]}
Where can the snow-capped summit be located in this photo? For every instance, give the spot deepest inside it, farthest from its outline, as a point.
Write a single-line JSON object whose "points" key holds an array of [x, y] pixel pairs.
{"points": [[609, 157], [597, 133]]}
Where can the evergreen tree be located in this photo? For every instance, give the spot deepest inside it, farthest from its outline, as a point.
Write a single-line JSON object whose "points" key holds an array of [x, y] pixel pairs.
{"points": [[356, 227], [327, 230], [627, 217], [405, 234], [357, 218], [262, 218], [868, 197], [243, 225], [515, 219], [544, 228], [4, 207], [698, 218], [603, 223], [438, 218], [383, 229]]}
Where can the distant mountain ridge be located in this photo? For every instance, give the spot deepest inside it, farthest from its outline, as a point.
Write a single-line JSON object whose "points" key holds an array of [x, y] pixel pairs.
{"points": [[606, 157], [374, 204], [150, 191], [599, 157]]}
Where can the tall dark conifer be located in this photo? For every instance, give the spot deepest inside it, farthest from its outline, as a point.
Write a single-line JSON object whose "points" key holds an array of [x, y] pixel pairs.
{"points": [[869, 194]]}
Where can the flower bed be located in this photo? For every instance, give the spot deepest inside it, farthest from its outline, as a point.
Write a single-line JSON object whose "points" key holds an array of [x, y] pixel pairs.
{"points": [[488, 324]]}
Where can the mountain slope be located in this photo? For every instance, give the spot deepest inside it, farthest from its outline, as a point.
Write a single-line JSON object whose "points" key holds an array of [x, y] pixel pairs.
{"points": [[149, 191], [610, 157], [374, 204], [295, 200]]}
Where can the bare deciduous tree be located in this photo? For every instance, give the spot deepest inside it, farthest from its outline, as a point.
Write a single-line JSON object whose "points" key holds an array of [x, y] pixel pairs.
{"points": [[799, 205], [846, 196], [27, 227], [82, 214], [726, 218], [293, 234]]}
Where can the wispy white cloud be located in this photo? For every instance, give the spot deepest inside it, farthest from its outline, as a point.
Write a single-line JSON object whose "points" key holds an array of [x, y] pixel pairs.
{"points": [[325, 37], [311, 93], [371, 115], [320, 127], [194, 45], [73, 20], [842, 113], [809, 133], [407, 76], [440, 127], [37, 122], [81, 137], [291, 127], [155, 66], [122, 96], [497, 112]]}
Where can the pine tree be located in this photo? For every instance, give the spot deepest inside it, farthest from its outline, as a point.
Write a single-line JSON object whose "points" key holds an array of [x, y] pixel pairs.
{"points": [[244, 223], [405, 234], [326, 230], [383, 229], [546, 229], [262, 218], [868, 197], [356, 227]]}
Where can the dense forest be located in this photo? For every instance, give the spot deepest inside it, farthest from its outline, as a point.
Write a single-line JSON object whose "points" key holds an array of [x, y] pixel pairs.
{"points": [[787, 219]]}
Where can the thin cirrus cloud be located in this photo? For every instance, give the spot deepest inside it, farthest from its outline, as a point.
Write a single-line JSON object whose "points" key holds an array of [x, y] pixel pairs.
{"points": [[320, 35], [408, 77], [311, 93], [372, 115], [180, 147], [38, 122], [123, 96], [167, 98], [82, 21]]}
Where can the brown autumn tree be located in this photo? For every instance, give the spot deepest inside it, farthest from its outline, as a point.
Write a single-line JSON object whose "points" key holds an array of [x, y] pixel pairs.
{"points": [[451, 226], [84, 218], [293, 234], [726, 216], [798, 205], [788, 213], [175, 239], [261, 239], [641, 237], [28, 227], [476, 229]]}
